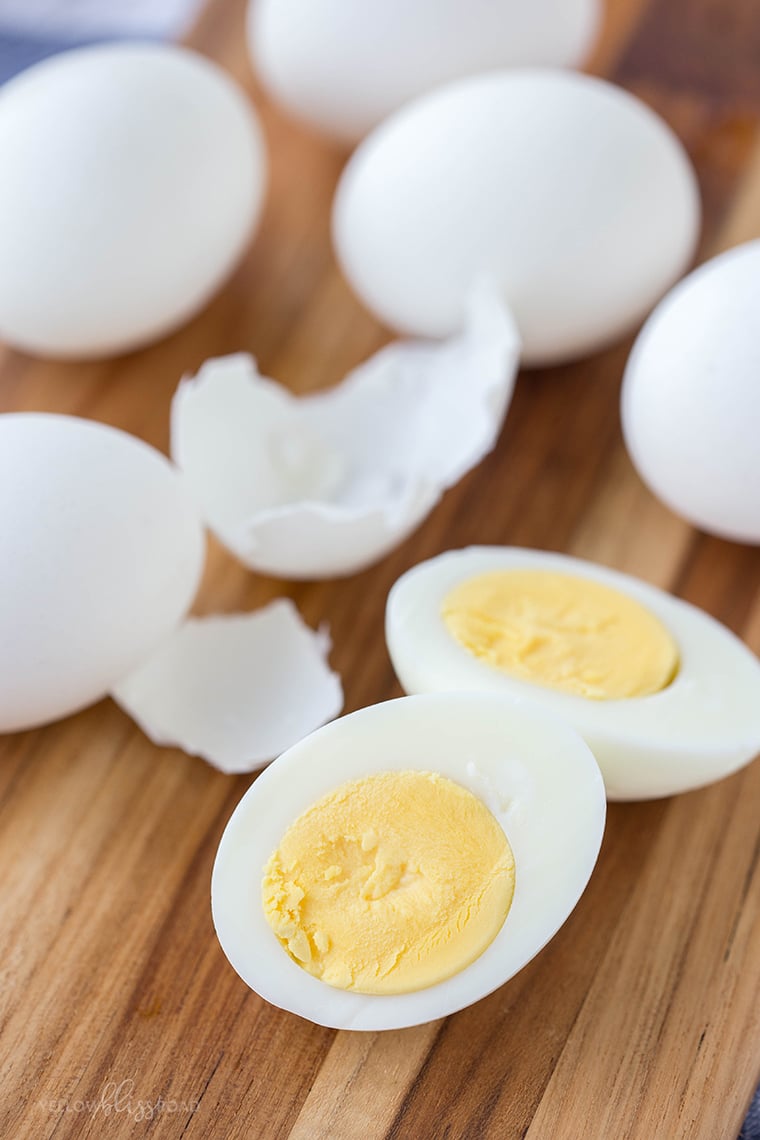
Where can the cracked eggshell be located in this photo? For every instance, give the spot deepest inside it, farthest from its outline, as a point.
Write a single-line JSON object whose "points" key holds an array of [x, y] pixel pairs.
{"points": [[343, 67], [103, 553], [703, 726], [323, 485], [691, 397], [133, 175], [235, 689], [570, 193], [535, 775]]}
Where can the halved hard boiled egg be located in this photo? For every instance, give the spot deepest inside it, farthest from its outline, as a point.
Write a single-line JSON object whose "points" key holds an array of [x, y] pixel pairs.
{"points": [[406, 860], [666, 697]]}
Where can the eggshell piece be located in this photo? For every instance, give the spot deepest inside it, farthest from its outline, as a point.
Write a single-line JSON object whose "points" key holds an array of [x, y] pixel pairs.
{"points": [[691, 397], [133, 175], [235, 689], [325, 484], [103, 552], [343, 68], [703, 726], [570, 193], [536, 776]]}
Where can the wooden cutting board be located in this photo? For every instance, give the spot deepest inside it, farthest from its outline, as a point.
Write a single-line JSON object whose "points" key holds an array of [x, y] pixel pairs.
{"points": [[120, 1015]]}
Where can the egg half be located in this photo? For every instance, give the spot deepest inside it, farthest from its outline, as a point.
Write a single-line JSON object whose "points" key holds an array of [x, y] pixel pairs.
{"points": [[684, 708], [534, 775]]}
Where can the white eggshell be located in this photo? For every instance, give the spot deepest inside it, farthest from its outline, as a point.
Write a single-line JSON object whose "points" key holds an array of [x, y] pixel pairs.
{"points": [[325, 484], [536, 776], [570, 193], [691, 397], [343, 66], [236, 689], [102, 555], [133, 175], [704, 725]]}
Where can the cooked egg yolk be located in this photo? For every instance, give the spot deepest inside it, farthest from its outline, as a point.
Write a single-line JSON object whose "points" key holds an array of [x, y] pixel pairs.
{"points": [[390, 883], [565, 633]]}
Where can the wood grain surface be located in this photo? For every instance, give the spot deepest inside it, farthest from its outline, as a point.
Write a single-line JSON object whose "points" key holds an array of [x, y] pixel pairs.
{"points": [[120, 1015]]}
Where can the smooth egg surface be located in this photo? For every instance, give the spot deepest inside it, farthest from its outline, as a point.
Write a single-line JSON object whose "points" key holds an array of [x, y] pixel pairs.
{"points": [[569, 194], [699, 722], [343, 67], [691, 397], [535, 776], [133, 175], [103, 553]]}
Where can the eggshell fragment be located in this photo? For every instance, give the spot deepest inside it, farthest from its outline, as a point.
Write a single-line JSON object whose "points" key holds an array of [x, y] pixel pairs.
{"points": [[570, 193], [235, 689], [325, 484], [691, 397], [102, 555], [343, 67], [133, 175]]}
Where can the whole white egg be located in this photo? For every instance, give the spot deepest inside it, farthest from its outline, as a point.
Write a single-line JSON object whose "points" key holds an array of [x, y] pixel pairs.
{"points": [[536, 777], [703, 725], [133, 175], [691, 397], [570, 194], [102, 556], [343, 67]]}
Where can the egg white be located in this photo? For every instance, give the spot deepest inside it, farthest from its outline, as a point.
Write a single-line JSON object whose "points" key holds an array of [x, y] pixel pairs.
{"points": [[704, 725], [535, 774]]}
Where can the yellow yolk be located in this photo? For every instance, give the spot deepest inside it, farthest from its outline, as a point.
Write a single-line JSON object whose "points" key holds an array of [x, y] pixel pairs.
{"points": [[390, 883], [565, 633]]}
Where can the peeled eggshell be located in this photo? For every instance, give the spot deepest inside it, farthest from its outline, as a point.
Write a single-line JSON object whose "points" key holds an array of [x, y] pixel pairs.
{"points": [[572, 194], [102, 555], [343, 66], [133, 175], [691, 397], [323, 485], [236, 689]]}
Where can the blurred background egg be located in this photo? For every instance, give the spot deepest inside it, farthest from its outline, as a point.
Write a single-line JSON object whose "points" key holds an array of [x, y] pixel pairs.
{"points": [[343, 66], [133, 175], [698, 723], [534, 774], [691, 397], [102, 555], [574, 197]]}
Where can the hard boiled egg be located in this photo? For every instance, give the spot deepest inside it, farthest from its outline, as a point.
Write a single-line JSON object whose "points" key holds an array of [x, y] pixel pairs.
{"points": [[696, 364], [133, 175], [343, 67], [339, 857], [666, 697], [570, 194], [103, 556]]}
